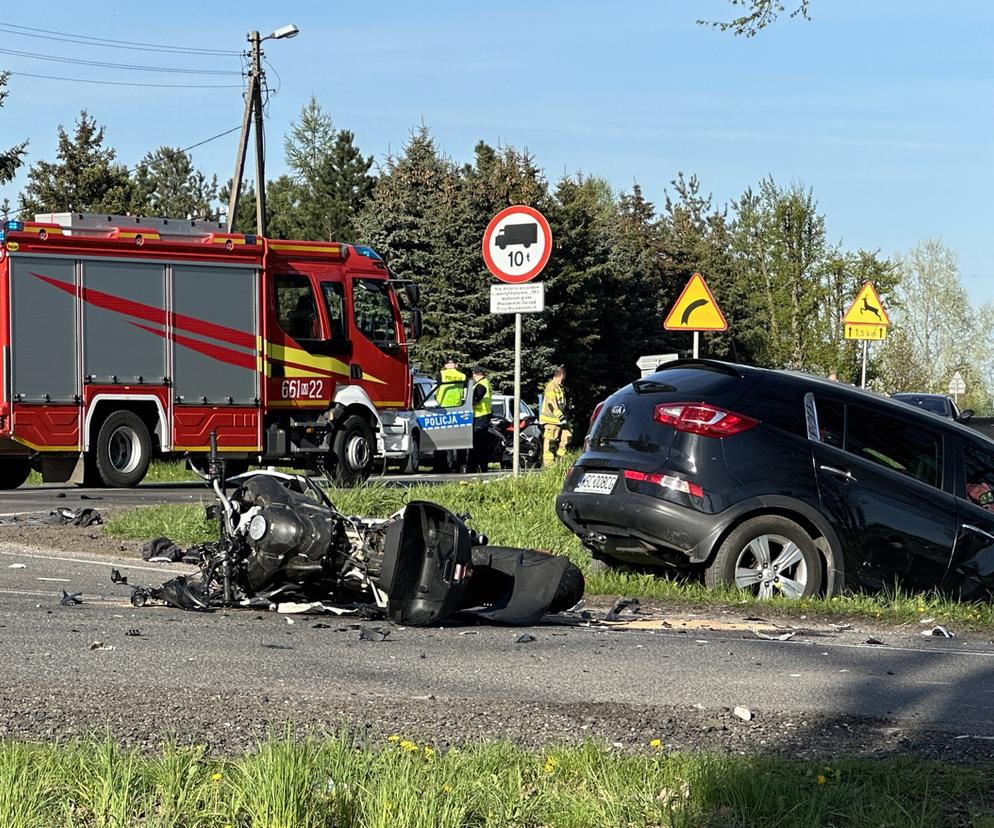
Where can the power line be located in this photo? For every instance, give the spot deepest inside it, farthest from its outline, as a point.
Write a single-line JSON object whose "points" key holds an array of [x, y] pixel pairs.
{"points": [[126, 66], [192, 146], [126, 83], [111, 44]]}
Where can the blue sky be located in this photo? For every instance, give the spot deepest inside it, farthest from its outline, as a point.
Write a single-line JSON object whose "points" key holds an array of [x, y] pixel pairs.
{"points": [[883, 108]]}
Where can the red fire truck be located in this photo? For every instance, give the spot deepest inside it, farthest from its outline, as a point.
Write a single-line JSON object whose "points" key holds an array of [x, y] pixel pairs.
{"points": [[126, 338]]}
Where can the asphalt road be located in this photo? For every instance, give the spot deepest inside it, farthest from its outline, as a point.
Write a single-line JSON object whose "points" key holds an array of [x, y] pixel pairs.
{"points": [[225, 675], [46, 496]]}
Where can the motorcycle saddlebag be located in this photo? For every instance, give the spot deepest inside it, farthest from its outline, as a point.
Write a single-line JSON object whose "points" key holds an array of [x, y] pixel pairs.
{"points": [[426, 565]]}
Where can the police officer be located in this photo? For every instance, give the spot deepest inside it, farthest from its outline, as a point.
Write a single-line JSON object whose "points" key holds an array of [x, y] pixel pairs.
{"points": [[451, 382], [555, 426], [450, 393], [482, 408]]}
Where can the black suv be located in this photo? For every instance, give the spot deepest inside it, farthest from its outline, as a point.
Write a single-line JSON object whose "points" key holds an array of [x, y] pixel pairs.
{"points": [[782, 483]]}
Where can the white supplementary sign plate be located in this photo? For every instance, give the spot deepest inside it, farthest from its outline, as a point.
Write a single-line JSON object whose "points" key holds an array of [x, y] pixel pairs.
{"points": [[595, 483], [527, 298]]}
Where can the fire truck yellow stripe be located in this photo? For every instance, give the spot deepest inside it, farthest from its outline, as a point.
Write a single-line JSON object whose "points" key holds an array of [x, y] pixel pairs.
{"points": [[220, 450], [36, 447]]}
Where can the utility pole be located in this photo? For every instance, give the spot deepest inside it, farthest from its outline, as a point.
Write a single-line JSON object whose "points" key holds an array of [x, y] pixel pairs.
{"points": [[253, 116]]}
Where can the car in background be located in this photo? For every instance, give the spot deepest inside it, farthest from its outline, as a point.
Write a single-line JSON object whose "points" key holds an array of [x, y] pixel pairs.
{"points": [[530, 436], [940, 404], [782, 483]]}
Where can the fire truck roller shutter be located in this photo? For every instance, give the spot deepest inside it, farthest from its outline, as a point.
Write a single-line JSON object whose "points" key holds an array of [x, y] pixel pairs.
{"points": [[217, 361], [118, 347], [43, 329]]}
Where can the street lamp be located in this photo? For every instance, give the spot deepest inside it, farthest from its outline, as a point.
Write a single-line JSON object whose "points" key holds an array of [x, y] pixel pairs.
{"points": [[253, 113]]}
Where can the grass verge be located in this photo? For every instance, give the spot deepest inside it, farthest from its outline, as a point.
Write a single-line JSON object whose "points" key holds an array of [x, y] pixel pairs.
{"points": [[333, 782], [522, 513]]}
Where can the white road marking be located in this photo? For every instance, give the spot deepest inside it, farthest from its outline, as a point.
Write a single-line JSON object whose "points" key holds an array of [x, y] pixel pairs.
{"points": [[115, 562]]}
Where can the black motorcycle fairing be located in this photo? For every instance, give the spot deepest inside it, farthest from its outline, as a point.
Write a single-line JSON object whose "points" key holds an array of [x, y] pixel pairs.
{"points": [[517, 587], [426, 564]]}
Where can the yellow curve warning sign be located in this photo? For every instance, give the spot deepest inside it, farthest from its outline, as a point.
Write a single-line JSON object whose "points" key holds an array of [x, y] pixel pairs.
{"points": [[866, 318], [696, 309]]}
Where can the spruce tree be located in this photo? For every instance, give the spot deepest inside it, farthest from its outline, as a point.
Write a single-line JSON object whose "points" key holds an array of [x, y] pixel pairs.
{"points": [[85, 177], [11, 158], [171, 186]]}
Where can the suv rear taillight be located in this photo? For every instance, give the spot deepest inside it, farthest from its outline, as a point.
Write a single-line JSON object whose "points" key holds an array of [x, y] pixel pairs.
{"points": [[597, 410], [701, 418], [667, 481]]}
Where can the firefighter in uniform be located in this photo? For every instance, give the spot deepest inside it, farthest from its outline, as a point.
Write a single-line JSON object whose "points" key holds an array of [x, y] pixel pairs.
{"points": [[555, 426], [482, 408]]}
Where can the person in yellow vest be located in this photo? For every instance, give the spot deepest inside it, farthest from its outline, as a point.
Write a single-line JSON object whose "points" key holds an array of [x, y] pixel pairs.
{"points": [[482, 409], [451, 385], [555, 426], [451, 393]]}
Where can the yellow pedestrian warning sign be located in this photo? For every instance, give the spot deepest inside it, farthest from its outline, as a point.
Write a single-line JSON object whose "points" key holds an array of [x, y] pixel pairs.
{"points": [[866, 317], [696, 309]]}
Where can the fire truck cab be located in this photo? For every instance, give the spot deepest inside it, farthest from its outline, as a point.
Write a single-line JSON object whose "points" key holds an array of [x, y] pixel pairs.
{"points": [[125, 338]]}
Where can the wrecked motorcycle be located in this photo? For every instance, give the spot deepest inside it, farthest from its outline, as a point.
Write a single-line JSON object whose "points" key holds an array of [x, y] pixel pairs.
{"points": [[282, 540]]}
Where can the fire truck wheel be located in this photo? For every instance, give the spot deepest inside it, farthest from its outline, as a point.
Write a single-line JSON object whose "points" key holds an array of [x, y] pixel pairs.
{"points": [[123, 450], [14, 472], [353, 452]]}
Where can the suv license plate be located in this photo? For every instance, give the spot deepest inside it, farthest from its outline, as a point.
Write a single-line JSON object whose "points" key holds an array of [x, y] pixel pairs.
{"points": [[597, 483]]}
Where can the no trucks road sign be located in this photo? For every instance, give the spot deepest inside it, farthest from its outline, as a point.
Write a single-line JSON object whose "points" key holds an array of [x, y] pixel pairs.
{"points": [[517, 244]]}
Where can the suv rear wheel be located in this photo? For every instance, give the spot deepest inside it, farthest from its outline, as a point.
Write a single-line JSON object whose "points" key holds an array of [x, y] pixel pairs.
{"points": [[768, 555]]}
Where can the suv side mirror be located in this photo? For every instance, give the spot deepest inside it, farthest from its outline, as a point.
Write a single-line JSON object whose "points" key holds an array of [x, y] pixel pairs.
{"points": [[413, 292], [965, 415], [414, 326]]}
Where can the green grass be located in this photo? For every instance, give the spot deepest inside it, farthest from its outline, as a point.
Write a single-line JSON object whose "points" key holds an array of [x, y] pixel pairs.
{"points": [[319, 783], [521, 513], [160, 471]]}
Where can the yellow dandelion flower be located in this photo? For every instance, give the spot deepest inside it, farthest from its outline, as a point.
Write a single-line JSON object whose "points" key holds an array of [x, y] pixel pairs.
{"points": [[656, 743], [215, 777], [446, 788], [393, 738], [408, 745], [429, 753], [822, 779], [551, 763], [389, 806]]}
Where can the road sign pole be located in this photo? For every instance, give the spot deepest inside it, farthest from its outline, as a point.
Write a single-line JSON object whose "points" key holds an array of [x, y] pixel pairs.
{"points": [[516, 462], [697, 341], [866, 345]]}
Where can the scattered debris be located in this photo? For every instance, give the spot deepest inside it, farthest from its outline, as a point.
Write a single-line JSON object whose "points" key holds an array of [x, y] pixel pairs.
{"points": [[71, 599], [630, 604], [524, 638], [99, 645], [276, 647], [744, 713], [57, 517], [117, 578], [872, 640], [841, 627], [927, 621], [470, 632], [373, 634], [164, 550], [18, 566], [938, 632], [320, 626], [133, 633], [781, 637]]}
